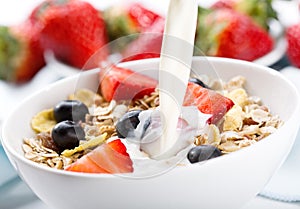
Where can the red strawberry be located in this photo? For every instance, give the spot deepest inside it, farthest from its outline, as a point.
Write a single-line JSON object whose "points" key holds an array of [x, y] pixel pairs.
{"points": [[124, 20], [293, 49], [207, 101], [73, 30], [227, 33], [143, 17], [119, 23], [148, 44], [124, 84], [21, 56], [85, 165], [107, 158], [229, 4], [260, 11], [118, 146]]}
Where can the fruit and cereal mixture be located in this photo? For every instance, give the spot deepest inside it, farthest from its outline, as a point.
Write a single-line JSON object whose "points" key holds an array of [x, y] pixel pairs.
{"points": [[83, 133]]}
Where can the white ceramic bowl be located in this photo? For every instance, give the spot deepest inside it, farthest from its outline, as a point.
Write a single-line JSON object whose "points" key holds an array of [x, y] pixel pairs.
{"points": [[225, 182]]}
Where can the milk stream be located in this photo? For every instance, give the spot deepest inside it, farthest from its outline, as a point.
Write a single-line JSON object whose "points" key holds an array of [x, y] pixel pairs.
{"points": [[174, 70]]}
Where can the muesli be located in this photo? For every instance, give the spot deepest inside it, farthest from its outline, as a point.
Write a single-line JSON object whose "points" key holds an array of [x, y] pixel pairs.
{"points": [[245, 123]]}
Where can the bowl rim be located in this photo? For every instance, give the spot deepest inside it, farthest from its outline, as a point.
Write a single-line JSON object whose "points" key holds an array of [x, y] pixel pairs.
{"points": [[10, 151]]}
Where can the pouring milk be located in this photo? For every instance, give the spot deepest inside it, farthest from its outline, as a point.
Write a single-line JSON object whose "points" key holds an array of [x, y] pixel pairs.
{"points": [[174, 72]]}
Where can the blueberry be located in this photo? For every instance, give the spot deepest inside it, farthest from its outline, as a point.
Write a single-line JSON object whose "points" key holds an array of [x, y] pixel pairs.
{"points": [[67, 134], [203, 152], [199, 82], [128, 122], [73, 110]]}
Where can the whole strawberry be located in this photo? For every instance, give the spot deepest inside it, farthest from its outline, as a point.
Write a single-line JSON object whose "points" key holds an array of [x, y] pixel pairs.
{"points": [[21, 55], [73, 30], [126, 22], [261, 11], [227, 33], [293, 49], [122, 20], [148, 44]]}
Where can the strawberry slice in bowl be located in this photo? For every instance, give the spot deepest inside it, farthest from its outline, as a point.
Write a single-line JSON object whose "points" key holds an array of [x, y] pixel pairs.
{"points": [[207, 101], [110, 157], [120, 83]]}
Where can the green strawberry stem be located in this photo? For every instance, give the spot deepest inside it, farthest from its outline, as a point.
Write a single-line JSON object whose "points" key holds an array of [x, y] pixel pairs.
{"points": [[9, 49], [119, 25], [206, 39], [261, 11]]}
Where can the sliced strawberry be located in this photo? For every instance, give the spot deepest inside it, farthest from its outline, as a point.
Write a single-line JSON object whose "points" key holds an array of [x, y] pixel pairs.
{"points": [[124, 84], [207, 101], [118, 146], [112, 157], [107, 158], [85, 165]]}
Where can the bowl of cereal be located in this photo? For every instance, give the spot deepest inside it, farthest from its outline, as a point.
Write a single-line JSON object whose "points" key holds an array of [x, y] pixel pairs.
{"points": [[100, 156]]}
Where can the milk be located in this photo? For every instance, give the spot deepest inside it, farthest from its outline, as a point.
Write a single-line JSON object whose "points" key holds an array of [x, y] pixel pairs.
{"points": [[174, 72]]}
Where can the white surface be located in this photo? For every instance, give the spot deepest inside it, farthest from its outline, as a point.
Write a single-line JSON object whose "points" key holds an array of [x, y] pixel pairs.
{"points": [[20, 196], [285, 184], [27, 200], [288, 12]]}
